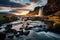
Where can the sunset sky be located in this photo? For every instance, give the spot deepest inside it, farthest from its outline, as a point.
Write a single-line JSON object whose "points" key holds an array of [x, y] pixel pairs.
{"points": [[30, 4], [24, 4]]}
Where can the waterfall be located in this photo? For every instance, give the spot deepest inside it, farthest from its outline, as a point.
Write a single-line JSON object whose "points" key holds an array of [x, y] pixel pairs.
{"points": [[40, 13]]}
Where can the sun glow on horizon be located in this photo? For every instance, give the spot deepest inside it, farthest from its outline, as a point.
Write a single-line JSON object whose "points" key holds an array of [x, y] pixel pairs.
{"points": [[21, 13]]}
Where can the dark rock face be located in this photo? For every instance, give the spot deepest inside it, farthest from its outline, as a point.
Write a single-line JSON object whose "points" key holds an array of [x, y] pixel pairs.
{"points": [[35, 11], [52, 7], [26, 33], [2, 36], [57, 28]]}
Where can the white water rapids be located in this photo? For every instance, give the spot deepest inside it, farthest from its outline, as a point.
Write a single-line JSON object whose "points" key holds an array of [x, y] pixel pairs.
{"points": [[36, 35]]}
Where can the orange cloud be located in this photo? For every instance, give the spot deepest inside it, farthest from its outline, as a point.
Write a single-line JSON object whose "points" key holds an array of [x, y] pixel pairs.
{"points": [[21, 12]]}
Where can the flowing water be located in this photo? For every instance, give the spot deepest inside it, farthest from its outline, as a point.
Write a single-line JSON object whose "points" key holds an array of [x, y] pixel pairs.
{"points": [[33, 35]]}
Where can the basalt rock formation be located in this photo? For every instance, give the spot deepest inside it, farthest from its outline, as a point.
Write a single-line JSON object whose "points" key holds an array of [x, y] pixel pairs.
{"points": [[52, 7]]}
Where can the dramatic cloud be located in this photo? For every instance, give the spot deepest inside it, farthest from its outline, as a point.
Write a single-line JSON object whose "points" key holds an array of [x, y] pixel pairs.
{"points": [[34, 0], [21, 12], [25, 5]]}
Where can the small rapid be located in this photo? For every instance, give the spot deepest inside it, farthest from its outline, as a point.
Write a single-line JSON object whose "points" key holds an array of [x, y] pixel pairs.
{"points": [[36, 33]]}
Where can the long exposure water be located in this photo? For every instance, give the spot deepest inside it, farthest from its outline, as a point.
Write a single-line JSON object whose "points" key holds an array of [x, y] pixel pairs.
{"points": [[34, 35]]}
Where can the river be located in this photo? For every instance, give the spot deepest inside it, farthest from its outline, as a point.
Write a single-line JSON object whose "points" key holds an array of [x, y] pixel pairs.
{"points": [[33, 35]]}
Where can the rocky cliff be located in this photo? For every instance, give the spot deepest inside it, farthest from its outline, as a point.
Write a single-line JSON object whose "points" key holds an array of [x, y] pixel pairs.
{"points": [[52, 7]]}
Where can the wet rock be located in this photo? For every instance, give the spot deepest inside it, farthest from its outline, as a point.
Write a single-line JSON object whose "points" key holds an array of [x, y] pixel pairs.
{"points": [[26, 33], [8, 27], [28, 28], [11, 36], [17, 35], [2, 36], [57, 28], [0, 28], [21, 31]]}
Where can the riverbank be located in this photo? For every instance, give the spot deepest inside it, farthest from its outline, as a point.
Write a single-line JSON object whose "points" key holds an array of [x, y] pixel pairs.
{"points": [[34, 34], [7, 19]]}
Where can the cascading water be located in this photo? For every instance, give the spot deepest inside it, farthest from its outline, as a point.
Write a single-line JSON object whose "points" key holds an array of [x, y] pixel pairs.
{"points": [[40, 13], [42, 4]]}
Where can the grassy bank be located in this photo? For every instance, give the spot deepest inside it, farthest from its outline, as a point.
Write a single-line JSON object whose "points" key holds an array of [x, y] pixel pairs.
{"points": [[6, 19]]}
